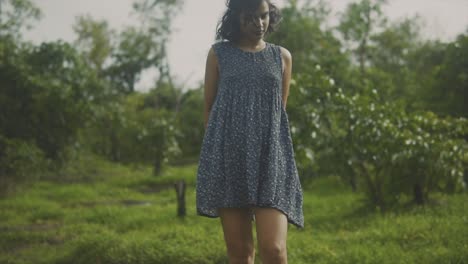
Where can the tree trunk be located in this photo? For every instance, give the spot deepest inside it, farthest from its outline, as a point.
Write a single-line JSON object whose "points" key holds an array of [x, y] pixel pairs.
{"points": [[114, 146], [418, 194], [157, 167], [352, 180], [371, 188]]}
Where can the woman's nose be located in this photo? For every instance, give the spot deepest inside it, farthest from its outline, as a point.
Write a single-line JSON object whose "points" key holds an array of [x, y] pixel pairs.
{"points": [[258, 22]]}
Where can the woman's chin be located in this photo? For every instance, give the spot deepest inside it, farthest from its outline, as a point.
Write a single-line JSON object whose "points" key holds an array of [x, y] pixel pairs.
{"points": [[257, 36]]}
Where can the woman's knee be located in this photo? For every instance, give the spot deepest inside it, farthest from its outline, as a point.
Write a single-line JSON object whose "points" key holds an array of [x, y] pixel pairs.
{"points": [[273, 250], [240, 250]]}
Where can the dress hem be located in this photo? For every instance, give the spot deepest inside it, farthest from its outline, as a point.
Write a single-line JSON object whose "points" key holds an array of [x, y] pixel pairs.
{"points": [[201, 212]]}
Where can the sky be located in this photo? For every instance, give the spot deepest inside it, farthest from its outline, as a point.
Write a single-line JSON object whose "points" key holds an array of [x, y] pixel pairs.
{"points": [[194, 26]]}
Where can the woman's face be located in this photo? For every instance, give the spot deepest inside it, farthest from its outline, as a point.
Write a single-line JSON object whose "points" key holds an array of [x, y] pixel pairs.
{"points": [[253, 26]]}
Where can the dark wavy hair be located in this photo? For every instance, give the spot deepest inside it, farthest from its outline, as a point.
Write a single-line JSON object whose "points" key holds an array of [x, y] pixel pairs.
{"points": [[229, 26]]}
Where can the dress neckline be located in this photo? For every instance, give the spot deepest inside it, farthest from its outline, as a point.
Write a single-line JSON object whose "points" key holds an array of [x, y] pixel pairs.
{"points": [[249, 52]]}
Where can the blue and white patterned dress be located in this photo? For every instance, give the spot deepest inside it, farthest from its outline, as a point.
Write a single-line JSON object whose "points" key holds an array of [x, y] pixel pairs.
{"points": [[247, 157]]}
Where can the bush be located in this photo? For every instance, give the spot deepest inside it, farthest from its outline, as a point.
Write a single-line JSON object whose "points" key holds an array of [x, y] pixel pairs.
{"points": [[20, 161], [375, 144]]}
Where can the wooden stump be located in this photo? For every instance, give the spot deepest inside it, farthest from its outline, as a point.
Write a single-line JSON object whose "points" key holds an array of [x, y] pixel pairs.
{"points": [[180, 192]]}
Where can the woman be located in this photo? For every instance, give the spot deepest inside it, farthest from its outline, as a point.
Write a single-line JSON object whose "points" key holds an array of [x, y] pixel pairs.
{"points": [[247, 169]]}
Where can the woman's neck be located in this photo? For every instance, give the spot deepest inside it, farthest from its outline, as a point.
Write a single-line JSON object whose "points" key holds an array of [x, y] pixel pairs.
{"points": [[249, 44]]}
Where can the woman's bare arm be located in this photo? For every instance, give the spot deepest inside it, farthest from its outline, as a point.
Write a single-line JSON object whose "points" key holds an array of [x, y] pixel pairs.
{"points": [[211, 83], [287, 63]]}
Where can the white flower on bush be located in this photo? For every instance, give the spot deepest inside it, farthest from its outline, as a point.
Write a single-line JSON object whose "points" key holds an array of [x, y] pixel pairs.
{"points": [[293, 129], [302, 90], [309, 154]]}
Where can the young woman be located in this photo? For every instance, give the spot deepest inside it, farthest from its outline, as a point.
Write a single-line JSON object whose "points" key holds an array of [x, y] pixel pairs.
{"points": [[247, 169]]}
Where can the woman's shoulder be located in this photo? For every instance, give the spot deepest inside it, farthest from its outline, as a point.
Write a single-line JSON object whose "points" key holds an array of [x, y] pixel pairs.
{"points": [[218, 46], [285, 53], [220, 43]]}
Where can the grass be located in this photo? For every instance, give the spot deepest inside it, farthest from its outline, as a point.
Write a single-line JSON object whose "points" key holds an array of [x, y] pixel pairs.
{"points": [[101, 222]]}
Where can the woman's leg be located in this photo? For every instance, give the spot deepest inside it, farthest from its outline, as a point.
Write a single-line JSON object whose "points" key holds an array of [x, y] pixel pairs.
{"points": [[272, 230], [237, 228]]}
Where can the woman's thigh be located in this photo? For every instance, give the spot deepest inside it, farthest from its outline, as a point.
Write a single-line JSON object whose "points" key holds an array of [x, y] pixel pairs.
{"points": [[271, 227], [237, 228]]}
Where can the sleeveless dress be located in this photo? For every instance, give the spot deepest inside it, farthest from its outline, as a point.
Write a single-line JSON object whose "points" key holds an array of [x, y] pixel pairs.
{"points": [[247, 157]]}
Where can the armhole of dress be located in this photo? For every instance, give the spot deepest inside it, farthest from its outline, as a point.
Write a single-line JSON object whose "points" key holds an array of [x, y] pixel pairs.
{"points": [[215, 48], [280, 60]]}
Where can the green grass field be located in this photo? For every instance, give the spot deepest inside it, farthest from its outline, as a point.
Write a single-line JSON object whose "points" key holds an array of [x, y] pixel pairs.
{"points": [[129, 216]]}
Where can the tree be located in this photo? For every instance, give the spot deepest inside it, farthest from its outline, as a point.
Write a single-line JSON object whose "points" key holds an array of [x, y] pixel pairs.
{"points": [[48, 90], [143, 47], [16, 15], [303, 32], [389, 55], [439, 79], [94, 39], [358, 23], [452, 78], [135, 52]]}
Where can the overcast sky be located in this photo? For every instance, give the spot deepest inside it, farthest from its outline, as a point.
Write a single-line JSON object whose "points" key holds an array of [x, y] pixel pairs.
{"points": [[195, 24]]}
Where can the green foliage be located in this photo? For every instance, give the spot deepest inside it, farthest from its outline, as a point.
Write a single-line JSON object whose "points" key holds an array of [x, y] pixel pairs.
{"points": [[20, 161], [48, 90], [360, 19], [390, 72], [362, 124], [301, 33], [143, 47], [189, 121], [94, 40], [451, 87], [125, 130], [16, 15], [54, 94], [136, 51], [164, 96], [391, 151], [377, 106]]}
